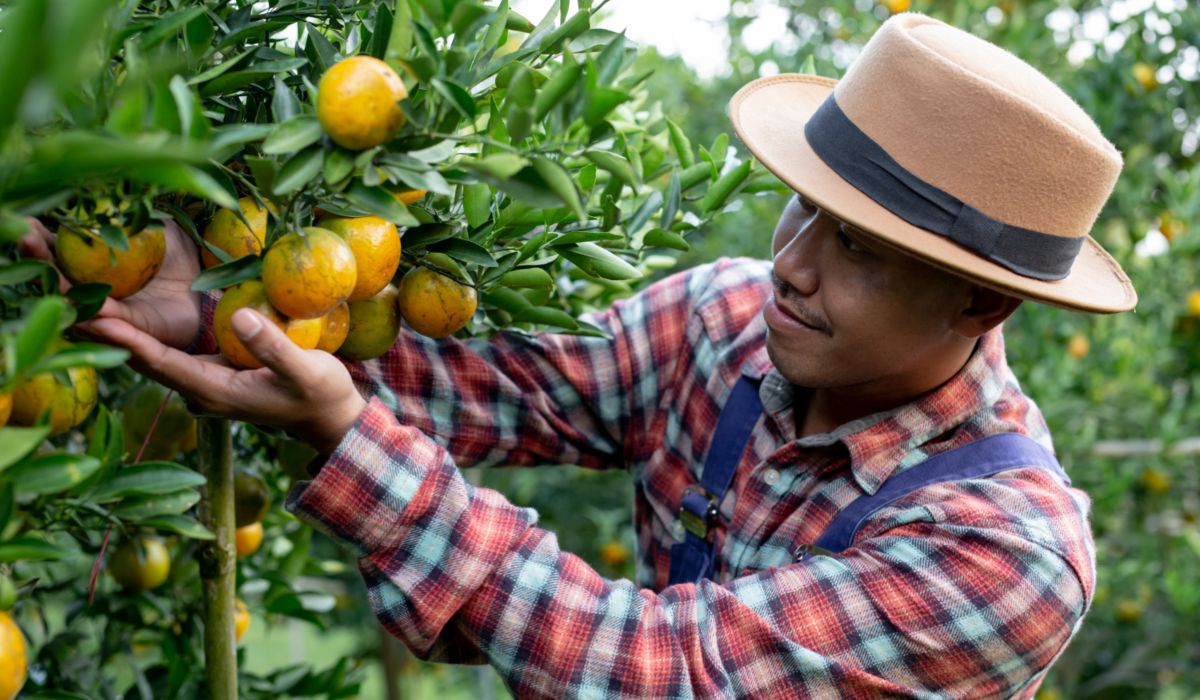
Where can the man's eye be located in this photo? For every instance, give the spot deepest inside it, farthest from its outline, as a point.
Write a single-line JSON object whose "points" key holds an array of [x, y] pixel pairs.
{"points": [[849, 243]]}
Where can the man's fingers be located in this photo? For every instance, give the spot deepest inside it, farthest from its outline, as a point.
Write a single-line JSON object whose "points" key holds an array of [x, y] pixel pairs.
{"points": [[199, 378], [270, 345]]}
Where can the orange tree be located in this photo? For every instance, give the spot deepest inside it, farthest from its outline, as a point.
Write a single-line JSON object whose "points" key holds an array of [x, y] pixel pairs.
{"points": [[523, 162]]}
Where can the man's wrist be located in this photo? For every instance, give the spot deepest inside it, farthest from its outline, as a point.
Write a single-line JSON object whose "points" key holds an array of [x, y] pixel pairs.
{"points": [[335, 427]]}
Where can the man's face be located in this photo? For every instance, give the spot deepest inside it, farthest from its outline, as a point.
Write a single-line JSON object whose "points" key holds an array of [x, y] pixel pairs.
{"points": [[872, 320]]}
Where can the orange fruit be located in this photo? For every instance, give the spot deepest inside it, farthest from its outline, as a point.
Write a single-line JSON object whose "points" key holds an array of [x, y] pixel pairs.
{"points": [[140, 571], [228, 233], [241, 619], [376, 246], [248, 539], [13, 661], [68, 405], [306, 273], [1155, 481], [1193, 302], [84, 257], [374, 325], [614, 553], [336, 326], [897, 6], [176, 426], [1078, 346], [434, 304], [358, 102], [1144, 73], [5, 407], [409, 196], [251, 499], [252, 294]]}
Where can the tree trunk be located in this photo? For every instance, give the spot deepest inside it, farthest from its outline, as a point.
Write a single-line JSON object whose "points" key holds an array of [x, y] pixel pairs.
{"points": [[218, 561]]}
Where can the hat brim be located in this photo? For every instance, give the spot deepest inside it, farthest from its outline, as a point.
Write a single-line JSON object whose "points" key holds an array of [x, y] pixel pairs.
{"points": [[769, 115]]}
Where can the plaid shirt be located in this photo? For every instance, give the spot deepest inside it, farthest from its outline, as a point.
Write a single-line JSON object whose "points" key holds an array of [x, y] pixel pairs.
{"points": [[965, 589]]}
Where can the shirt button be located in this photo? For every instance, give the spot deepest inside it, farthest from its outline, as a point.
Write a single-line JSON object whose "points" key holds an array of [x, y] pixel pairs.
{"points": [[770, 477]]}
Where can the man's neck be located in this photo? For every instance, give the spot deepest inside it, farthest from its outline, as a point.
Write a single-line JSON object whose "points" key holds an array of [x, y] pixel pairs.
{"points": [[827, 409]]}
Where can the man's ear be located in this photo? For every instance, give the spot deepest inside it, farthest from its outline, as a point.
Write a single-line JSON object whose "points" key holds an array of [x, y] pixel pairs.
{"points": [[988, 309]]}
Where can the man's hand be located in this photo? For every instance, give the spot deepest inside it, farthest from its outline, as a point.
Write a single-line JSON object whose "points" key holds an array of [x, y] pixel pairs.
{"points": [[308, 393], [166, 307]]}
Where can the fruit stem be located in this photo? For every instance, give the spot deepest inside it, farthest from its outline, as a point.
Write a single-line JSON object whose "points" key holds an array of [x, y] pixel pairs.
{"points": [[217, 557]]}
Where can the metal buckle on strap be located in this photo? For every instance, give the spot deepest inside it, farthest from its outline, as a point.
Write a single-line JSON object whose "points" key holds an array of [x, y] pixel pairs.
{"points": [[699, 524]]}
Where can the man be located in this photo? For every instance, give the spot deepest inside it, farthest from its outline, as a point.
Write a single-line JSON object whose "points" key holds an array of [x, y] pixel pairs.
{"points": [[939, 184]]}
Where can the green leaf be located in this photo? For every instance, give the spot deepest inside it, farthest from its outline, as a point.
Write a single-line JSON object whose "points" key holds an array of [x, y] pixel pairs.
{"points": [[23, 271], [602, 101], [568, 30], [326, 54], [459, 98], [192, 122], [298, 171], [16, 442], [292, 135], [615, 164], [506, 299], [32, 549], [149, 506], [181, 524], [167, 26], [179, 177], [228, 274], [559, 181], [147, 479], [644, 212], [88, 298], [600, 262], [681, 145], [20, 27], [379, 202], [499, 166], [673, 200], [809, 66], [527, 278], [494, 38], [400, 38], [720, 191], [608, 64], [221, 68], [84, 355], [477, 204], [234, 136], [547, 316], [555, 90], [8, 503], [284, 104], [466, 251], [382, 32], [264, 170], [339, 164], [51, 473], [39, 333], [666, 239]]}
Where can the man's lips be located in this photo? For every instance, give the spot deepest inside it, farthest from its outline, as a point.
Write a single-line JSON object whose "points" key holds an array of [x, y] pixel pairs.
{"points": [[796, 316]]}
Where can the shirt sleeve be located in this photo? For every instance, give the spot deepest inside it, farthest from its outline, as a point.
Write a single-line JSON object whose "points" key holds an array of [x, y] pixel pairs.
{"points": [[918, 608]]}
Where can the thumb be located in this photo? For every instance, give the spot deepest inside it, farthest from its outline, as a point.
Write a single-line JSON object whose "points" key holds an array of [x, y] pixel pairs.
{"points": [[269, 344]]}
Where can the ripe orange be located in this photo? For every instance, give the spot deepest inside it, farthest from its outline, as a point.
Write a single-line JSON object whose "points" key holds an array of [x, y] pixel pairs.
{"points": [[252, 294], [409, 196], [241, 619], [1144, 73], [13, 661], [1193, 302], [374, 325], [251, 499], [897, 6], [614, 553], [228, 233], [376, 246], [1078, 346], [68, 405], [142, 571], [5, 407], [176, 427], [84, 257], [336, 326], [358, 102], [306, 273], [433, 304], [248, 539]]}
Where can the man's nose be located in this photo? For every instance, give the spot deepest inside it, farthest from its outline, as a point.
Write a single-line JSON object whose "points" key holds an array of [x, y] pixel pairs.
{"points": [[797, 263]]}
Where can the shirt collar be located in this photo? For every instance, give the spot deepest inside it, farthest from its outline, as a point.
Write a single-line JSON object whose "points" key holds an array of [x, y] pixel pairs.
{"points": [[880, 442]]}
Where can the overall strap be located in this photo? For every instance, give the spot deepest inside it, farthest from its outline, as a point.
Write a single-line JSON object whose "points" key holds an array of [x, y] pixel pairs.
{"points": [[692, 559], [981, 458]]}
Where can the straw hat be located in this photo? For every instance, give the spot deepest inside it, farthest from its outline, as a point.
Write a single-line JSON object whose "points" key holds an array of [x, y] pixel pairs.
{"points": [[952, 150]]}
